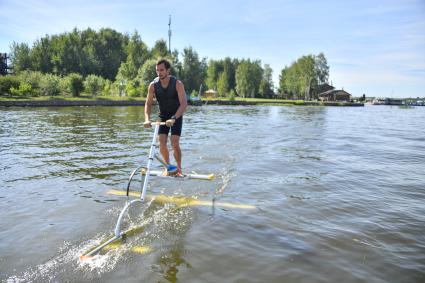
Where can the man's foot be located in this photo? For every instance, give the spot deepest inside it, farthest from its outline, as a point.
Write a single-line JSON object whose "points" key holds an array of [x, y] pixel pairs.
{"points": [[172, 169], [179, 173]]}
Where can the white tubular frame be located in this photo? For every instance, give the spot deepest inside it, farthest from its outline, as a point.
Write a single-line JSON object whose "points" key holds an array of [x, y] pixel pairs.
{"points": [[146, 172], [117, 231], [151, 156], [152, 151]]}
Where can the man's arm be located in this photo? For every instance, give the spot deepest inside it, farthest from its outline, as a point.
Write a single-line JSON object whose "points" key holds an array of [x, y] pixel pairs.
{"points": [[182, 99], [148, 105]]}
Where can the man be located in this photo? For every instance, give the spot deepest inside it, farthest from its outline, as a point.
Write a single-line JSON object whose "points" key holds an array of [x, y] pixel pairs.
{"points": [[171, 97]]}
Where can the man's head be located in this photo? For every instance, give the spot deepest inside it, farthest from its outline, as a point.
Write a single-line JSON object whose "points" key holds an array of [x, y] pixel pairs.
{"points": [[163, 68]]}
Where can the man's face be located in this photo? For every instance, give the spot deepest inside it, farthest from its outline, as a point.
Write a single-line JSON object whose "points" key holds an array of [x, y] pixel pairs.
{"points": [[161, 71]]}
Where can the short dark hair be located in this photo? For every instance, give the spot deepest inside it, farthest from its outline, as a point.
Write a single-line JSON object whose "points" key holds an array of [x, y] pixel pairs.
{"points": [[165, 62]]}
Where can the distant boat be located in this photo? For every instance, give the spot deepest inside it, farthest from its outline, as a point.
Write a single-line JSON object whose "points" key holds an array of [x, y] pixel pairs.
{"points": [[394, 101], [195, 99], [378, 101]]}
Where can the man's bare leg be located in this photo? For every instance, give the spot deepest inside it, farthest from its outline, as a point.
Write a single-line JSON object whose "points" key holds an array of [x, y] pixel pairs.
{"points": [[163, 148], [175, 142]]}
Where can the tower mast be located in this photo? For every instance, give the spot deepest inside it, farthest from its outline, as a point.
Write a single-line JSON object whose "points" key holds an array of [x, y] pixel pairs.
{"points": [[169, 35]]}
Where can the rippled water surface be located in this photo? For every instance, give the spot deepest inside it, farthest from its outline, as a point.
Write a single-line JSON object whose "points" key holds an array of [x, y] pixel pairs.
{"points": [[338, 194]]}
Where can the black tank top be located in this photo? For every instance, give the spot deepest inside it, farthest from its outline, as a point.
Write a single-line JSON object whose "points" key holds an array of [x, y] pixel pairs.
{"points": [[168, 98]]}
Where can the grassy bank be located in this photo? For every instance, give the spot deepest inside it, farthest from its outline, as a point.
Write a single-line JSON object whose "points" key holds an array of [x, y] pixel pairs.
{"points": [[70, 98], [284, 102], [56, 101], [86, 100]]}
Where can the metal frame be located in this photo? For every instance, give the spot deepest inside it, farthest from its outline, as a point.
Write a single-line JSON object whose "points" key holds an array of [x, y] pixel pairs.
{"points": [[117, 231], [146, 173]]}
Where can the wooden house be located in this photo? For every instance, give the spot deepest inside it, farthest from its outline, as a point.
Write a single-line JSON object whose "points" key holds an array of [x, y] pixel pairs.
{"points": [[334, 95], [210, 93]]}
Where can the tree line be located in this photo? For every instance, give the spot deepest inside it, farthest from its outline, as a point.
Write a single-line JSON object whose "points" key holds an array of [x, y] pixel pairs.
{"points": [[303, 76], [107, 62]]}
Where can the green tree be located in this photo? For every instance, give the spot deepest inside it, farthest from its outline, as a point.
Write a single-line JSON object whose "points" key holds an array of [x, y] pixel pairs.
{"points": [[40, 55], [137, 54], [89, 63], [292, 82], [283, 88], [137, 51], [84, 52], [66, 50], [214, 69], [306, 75], [63, 53], [193, 70], [146, 74], [266, 84], [303, 75], [242, 80], [110, 52], [321, 68], [229, 68], [248, 78], [20, 57], [176, 66], [222, 84], [160, 49], [127, 71]]}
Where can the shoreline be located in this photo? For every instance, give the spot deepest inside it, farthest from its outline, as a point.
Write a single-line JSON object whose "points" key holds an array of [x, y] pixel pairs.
{"points": [[141, 102]]}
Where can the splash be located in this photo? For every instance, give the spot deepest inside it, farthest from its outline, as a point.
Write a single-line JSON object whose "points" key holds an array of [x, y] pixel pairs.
{"points": [[226, 175], [150, 231]]}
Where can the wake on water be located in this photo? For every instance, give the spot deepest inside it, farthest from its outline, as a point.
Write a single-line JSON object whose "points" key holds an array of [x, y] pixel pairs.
{"points": [[67, 262], [161, 224]]}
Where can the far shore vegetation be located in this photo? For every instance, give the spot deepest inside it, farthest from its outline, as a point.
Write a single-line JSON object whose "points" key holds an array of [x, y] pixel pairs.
{"points": [[89, 64], [88, 97], [84, 100]]}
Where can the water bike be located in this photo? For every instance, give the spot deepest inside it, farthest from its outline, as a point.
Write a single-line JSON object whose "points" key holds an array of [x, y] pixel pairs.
{"points": [[146, 173]]}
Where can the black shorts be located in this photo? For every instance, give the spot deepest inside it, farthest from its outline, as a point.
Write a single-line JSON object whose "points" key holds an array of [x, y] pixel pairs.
{"points": [[176, 129]]}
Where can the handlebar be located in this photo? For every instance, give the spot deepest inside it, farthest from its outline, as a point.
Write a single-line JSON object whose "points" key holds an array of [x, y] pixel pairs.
{"points": [[158, 123]]}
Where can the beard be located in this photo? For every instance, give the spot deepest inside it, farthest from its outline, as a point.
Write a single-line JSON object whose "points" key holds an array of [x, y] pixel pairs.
{"points": [[162, 77]]}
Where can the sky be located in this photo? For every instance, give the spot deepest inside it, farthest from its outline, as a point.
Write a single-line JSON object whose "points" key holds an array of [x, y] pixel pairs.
{"points": [[373, 47]]}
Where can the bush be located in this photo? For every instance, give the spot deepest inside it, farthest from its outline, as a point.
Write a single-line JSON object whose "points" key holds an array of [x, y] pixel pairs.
{"points": [[132, 90], [232, 95], [33, 78], [119, 87], [25, 89], [94, 84], [50, 85], [6, 83], [74, 84], [107, 88], [144, 89]]}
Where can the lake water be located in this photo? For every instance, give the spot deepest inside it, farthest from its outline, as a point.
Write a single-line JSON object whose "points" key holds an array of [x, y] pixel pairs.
{"points": [[338, 196]]}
